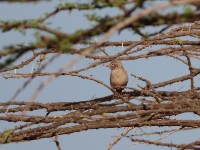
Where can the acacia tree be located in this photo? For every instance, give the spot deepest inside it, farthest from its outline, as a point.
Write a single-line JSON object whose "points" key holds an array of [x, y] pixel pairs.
{"points": [[147, 105]]}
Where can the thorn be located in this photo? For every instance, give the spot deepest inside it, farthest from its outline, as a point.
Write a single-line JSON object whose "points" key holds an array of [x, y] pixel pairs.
{"points": [[32, 68], [7, 109], [95, 39], [190, 27]]}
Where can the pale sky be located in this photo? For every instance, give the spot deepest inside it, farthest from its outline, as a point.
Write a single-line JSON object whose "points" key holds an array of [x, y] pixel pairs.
{"points": [[72, 88]]}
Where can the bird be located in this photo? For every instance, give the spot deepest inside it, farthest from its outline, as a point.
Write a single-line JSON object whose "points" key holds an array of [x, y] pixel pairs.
{"points": [[118, 75]]}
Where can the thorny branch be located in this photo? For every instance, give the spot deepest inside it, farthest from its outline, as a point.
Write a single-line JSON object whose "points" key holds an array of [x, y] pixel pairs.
{"points": [[148, 105]]}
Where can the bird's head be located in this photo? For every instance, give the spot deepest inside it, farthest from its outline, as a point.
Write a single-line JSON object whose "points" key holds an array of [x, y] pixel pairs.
{"points": [[115, 64]]}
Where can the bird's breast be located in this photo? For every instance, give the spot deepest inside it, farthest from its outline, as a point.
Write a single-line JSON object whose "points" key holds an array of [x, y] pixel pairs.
{"points": [[118, 78]]}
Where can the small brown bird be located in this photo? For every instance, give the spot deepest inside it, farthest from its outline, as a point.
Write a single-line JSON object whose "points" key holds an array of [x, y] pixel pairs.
{"points": [[118, 76]]}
